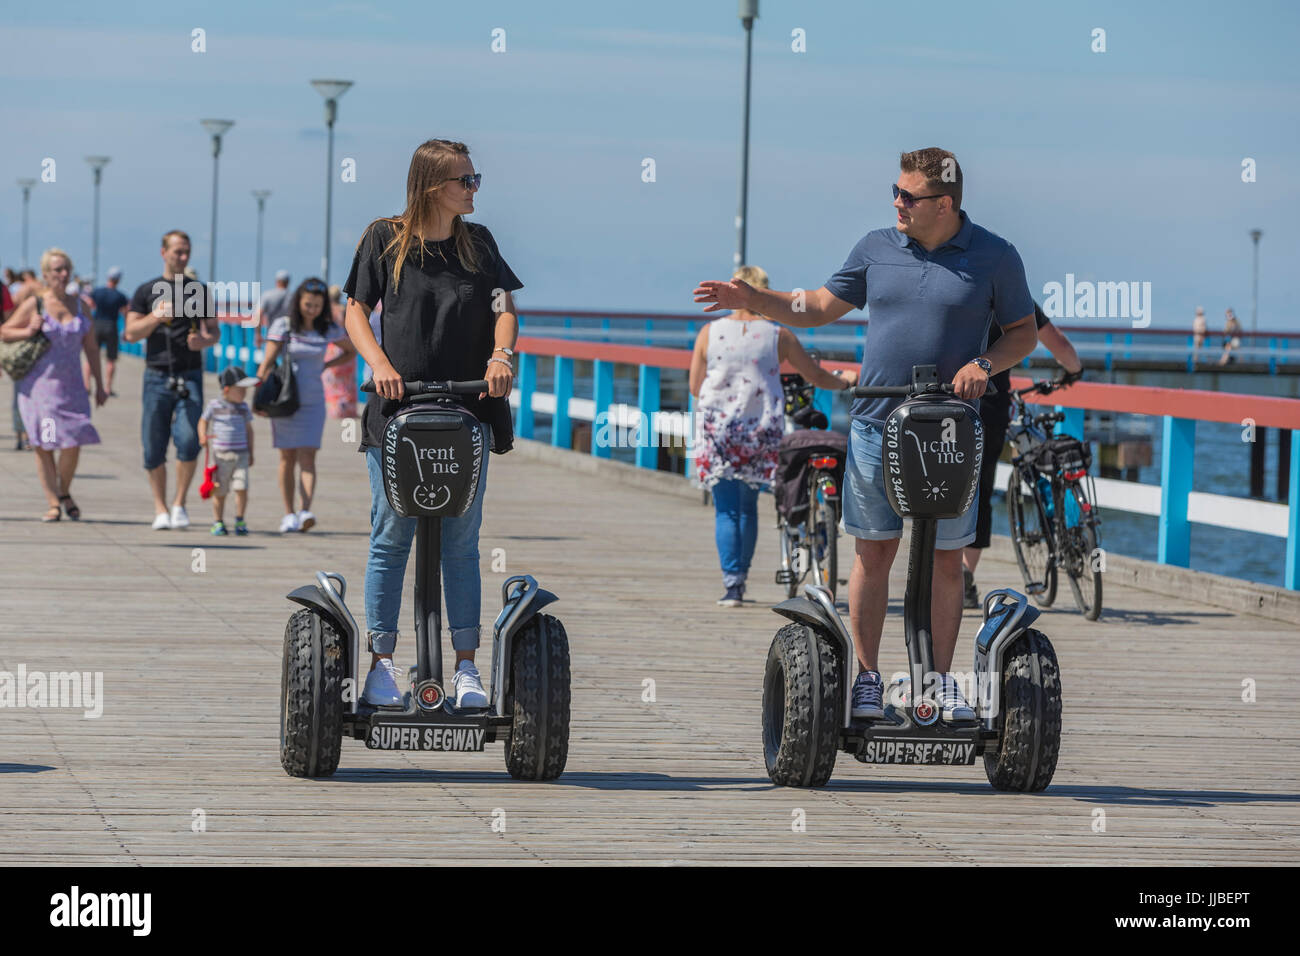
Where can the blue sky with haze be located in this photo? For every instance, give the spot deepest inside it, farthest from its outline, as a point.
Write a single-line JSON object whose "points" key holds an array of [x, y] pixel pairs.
{"points": [[1115, 166]]}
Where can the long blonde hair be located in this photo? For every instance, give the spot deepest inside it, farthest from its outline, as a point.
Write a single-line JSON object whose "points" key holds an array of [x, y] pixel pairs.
{"points": [[430, 167]]}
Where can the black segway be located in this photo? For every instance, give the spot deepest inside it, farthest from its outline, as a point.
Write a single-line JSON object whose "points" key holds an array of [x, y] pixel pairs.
{"points": [[933, 443], [432, 454]]}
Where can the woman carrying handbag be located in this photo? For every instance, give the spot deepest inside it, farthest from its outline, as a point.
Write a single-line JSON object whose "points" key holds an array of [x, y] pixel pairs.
{"points": [[302, 336]]}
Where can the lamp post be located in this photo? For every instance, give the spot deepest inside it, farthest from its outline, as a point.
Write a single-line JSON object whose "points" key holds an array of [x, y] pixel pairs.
{"points": [[260, 195], [97, 164], [748, 14], [331, 90], [1254, 286], [26, 186], [218, 129]]}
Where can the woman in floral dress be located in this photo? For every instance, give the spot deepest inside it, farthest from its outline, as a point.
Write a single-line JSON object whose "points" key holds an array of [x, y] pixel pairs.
{"points": [[736, 379]]}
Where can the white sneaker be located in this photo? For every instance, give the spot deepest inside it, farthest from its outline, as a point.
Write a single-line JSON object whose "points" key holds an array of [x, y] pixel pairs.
{"points": [[951, 702], [381, 685], [290, 523], [469, 688], [161, 521], [179, 518], [305, 520]]}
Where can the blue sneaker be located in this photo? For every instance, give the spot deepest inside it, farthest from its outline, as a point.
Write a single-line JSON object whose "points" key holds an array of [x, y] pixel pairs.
{"points": [[240, 527], [866, 695], [735, 594], [219, 528]]}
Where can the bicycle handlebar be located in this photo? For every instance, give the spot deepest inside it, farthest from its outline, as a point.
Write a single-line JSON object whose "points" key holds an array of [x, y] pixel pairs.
{"points": [[411, 389]]}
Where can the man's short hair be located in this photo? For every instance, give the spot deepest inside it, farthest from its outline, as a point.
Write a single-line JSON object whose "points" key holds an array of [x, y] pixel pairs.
{"points": [[176, 232], [939, 167]]}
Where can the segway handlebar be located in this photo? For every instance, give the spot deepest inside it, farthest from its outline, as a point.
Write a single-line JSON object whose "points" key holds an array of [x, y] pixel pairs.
{"points": [[411, 389], [906, 391]]}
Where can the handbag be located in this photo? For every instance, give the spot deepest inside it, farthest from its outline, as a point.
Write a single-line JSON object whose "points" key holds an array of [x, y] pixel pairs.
{"points": [[17, 358], [278, 395]]}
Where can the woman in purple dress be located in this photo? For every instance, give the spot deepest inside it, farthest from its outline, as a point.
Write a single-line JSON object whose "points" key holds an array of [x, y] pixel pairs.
{"points": [[52, 397]]}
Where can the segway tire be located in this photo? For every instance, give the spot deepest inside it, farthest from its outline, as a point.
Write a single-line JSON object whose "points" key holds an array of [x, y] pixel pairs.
{"points": [[802, 707], [1029, 718], [539, 733], [311, 696]]}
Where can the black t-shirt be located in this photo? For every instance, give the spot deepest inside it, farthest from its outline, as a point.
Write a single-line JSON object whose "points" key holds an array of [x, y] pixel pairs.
{"points": [[1001, 402], [166, 348], [438, 323]]}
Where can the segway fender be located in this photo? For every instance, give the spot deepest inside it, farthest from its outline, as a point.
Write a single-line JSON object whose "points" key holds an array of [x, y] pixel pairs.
{"points": [[312, 598], [1007, 613], [521, 600], [327, 598], [817, 609]]}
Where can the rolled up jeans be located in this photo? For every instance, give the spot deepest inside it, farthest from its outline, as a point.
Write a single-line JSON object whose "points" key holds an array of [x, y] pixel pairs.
{"points": [[390, 547]]}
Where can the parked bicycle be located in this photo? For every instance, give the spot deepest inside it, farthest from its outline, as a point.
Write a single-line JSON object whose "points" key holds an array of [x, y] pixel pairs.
{"points": [[1050, 504], [810, 473]]}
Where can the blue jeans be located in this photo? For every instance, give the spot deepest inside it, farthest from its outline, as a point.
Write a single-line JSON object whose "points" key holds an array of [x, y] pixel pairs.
{"points": [[167, 416], [390, 546], [735, 527]]}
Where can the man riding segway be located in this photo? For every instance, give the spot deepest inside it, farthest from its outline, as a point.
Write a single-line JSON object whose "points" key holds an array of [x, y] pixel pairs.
{"points": [[934, 283]]}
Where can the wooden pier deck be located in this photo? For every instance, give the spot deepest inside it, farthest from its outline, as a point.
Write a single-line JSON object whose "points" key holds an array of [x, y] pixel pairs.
{"points": [[1162, 762]]}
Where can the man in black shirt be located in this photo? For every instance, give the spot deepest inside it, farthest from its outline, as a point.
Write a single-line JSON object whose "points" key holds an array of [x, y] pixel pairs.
{"points": [[995, 411], [177, 319]]}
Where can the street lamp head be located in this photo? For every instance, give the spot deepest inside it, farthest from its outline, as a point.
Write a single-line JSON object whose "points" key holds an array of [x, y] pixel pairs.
{"points": [[1255, 234], [261, 194], [748, 11], [26, 183], [97, 162], [331, 89], [217, 127]]}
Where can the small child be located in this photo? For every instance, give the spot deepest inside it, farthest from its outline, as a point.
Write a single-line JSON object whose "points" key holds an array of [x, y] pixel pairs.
{"points": [[232, 445]]}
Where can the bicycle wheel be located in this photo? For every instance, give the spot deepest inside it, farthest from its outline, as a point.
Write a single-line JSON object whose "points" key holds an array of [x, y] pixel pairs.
{"points": [[1081, 568], [1032, 538], [824, 522]]}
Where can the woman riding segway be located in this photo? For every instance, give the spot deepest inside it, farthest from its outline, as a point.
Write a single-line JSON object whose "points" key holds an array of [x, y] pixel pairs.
{"points": [[447, 315]]}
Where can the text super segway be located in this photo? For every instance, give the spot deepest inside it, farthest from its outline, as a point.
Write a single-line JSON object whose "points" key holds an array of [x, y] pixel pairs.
{"points": [[933, 443], [433, 451]]}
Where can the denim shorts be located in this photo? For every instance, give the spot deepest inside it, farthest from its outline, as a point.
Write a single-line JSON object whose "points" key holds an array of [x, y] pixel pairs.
{"points": [[168, 417], [867, 513]]}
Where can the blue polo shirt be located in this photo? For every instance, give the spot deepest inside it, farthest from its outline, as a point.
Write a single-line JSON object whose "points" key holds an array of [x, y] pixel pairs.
{"points": [[928, 308]]}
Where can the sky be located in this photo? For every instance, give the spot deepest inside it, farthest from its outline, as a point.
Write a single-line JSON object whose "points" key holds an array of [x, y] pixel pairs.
{"points": [[1122, 165]]}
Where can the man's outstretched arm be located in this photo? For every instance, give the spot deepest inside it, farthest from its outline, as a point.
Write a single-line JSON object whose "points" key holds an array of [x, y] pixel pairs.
{"points": [[801, 309]]}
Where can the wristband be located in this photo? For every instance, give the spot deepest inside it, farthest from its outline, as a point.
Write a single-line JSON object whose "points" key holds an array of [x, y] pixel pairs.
{"points": [[501, 361]]}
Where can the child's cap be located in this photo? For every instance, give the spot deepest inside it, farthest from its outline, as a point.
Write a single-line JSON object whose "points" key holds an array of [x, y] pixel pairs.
{"points": [[235, 375]]}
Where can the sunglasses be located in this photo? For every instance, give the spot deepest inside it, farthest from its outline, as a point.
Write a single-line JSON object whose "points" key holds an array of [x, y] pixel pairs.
{"points": [[314, 286], [471, 181], [909, 200]]}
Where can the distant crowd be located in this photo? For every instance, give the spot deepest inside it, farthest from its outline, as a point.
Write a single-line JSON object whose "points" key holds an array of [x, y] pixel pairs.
{"points": [[57, 326]]}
